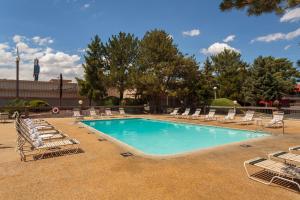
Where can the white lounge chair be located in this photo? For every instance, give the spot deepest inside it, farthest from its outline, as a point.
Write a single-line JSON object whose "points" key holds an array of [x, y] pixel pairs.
{"points": [[229, 117], [174, 112], [77, 115], [185, 113], [38, 147], [285, 156], [196, 114], [40, 125], [294, 148], [45, 135], [247, 119], [211, 115], [278, 170], [108, 112], [93, 114], [122, 112], [277, 120]]}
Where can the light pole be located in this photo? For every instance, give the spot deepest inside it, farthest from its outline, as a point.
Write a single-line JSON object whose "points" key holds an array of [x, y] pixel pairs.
{"points": [[215, 90], [235, 103], [17, 73], [80, 102]]}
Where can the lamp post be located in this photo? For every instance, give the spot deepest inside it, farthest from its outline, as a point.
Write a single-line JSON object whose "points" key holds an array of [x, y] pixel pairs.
{"points": [[17, 73], [235, 103], [215, 91], [80, 102]]}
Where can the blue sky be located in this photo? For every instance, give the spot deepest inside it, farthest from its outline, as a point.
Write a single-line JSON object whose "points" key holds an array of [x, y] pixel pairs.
{"points": [[57, 30]]}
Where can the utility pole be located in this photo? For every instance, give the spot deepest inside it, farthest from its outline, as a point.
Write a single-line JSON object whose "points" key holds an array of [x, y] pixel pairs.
{"points": [[17, 73], [60, 88]]}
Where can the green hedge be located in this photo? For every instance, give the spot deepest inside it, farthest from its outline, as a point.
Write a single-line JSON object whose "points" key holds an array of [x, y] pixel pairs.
{"points": [[34, 105], [223, 102]]}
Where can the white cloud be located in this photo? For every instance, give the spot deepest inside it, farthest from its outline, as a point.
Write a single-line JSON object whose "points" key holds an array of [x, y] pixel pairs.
{"points": [[191, 33], [86, 6], [217, 48], [287, 47], [52, 62], [5, 55], [291, 15], [42, 41], [18, 38], [278, 36], [229, 38]]}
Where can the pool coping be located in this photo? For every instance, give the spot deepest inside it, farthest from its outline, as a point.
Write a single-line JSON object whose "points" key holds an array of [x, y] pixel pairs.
{"points": [[140, 153]]}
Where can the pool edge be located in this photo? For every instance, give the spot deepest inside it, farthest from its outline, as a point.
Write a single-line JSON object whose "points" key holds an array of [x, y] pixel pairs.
{"points": [[140, 153]]}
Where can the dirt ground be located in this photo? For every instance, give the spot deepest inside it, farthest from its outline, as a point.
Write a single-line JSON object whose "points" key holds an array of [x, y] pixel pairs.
{"points": [[101, 173]]}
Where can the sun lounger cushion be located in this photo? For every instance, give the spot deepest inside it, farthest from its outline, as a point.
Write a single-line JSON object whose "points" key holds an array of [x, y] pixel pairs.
{"points": [[38, 142]]}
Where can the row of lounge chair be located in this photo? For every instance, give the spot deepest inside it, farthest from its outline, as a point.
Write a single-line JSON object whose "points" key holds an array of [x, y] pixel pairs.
{"points": [[277, 120], [37, 138], [94, 114], [281, 165]]}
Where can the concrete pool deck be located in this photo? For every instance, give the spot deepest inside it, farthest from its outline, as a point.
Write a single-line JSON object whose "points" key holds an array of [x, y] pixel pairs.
{"points": [[101, 173]]}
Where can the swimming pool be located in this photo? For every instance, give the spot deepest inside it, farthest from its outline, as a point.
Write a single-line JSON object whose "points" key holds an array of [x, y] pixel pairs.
{"points": [[161, 138]]}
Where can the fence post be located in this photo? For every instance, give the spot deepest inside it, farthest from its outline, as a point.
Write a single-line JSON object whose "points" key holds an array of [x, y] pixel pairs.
{"points": [[26, 112]]}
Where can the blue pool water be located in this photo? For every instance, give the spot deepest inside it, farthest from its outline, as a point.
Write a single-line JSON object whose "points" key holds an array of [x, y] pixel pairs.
{"points": [[167, 138]]}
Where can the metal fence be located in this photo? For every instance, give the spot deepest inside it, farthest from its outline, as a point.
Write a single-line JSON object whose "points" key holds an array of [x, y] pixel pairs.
{"points": [[67, 111]]}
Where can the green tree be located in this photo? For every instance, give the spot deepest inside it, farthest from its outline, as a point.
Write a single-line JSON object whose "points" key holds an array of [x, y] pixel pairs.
{"points": [[230, 72], [158, 66], [298, 63], [187, 80], [122, 51], [258, 7], [271, 78], [93, 84]]}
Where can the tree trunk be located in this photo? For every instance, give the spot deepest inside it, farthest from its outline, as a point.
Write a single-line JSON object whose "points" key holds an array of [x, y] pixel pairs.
{"points": [[90, 101], [121, 95]]}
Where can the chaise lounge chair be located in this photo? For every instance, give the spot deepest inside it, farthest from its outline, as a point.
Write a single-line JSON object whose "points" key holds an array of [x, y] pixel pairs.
{"points": [[229, 117], [39, 125], [277, 120], [211, 115], [38, 147], [108, 112], [280, 171], [122, 112], [77, 115], [175, 112], [294, 148], [185, 113], [35, 133], [93, 114], [196, 114], [247, 119], [285, 156]]}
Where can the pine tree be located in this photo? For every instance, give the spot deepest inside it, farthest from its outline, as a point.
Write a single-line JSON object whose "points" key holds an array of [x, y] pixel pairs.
{"points": [[122, 51], [157, 65], [230, 72], [93, 84], [258, 7], [272, 78]]}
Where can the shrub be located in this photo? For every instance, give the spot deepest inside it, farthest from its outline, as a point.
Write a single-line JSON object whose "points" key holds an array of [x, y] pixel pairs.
{"points": [[223, 102], [17, 103], [38, 106], [132, 102], [34, 105], [111, 101], [38, 103]]}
